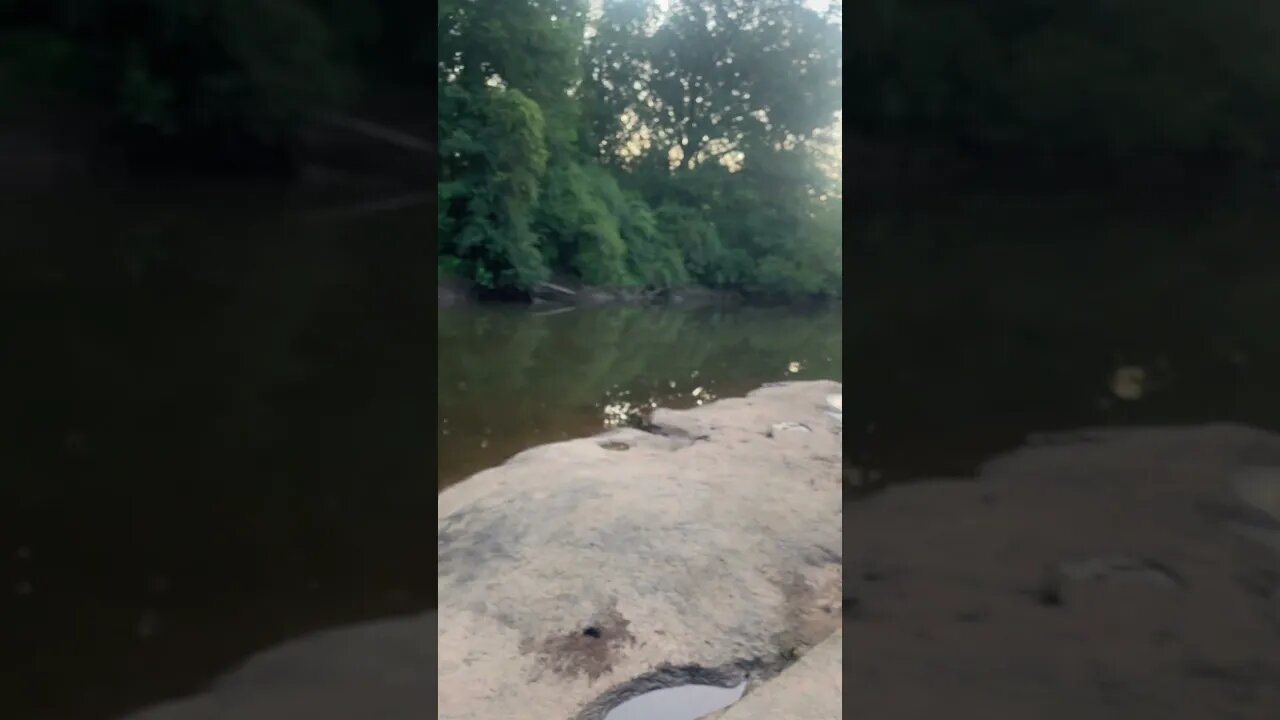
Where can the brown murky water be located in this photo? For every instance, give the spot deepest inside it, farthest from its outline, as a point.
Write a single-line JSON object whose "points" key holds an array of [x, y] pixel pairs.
{"points": [[510, 378]]}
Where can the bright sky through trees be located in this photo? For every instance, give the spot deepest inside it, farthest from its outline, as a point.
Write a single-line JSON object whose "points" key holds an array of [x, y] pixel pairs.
{"points": [[630, 143]]}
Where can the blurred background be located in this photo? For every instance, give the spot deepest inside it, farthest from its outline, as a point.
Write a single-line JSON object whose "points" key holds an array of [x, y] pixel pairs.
{"points": [[215, 347], [105, 88], [1152, 92]]}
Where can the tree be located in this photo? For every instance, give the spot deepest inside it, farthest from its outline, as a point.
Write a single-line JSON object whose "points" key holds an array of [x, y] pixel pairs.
{"points": [[633, 110], [493, 156], [715, 76], [714, 110], [1094, 81]]}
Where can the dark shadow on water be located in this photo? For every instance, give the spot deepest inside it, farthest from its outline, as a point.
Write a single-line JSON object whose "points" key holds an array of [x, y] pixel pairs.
{"points": [[975, 319], [212, 430]]}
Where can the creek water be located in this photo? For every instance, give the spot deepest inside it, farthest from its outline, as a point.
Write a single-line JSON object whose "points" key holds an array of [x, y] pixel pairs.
{"points": [[216, 431], [510, 379], [975, 319]]}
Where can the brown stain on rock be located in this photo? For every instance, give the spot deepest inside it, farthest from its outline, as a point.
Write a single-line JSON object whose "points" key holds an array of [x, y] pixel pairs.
{"points": [[587, 650], [814, 598]]}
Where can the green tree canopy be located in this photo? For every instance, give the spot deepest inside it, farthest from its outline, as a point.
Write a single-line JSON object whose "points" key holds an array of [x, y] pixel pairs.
{"points": [[680, 143], [1093, 80]]}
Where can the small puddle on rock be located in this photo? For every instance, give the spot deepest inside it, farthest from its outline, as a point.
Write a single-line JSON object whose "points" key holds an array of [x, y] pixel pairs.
{"points": [[684, 702]]}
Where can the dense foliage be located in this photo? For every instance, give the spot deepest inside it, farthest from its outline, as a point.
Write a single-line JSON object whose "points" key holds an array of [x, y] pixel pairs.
{"points": [[635, 143], [645, 147], [1100, 81], [648, 146], [225, 76]]}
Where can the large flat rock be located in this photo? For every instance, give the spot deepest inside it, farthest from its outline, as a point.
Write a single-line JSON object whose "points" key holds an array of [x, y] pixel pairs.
{"points": [[582, 573], [1099, 574], [809, 690], [373, 671]]}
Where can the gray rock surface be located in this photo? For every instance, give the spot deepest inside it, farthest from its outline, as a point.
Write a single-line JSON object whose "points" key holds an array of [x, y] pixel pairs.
{"points": [[375, 671], [1101, 574], [572, 573], [1259, 489], [808, 690], [575, 577]]}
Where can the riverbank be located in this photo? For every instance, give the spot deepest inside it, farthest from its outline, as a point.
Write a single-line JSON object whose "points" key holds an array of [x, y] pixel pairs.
{"points": [[453, 291]]}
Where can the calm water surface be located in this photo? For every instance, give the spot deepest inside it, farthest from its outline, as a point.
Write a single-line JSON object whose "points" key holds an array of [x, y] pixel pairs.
{"points": [[510, 378], [217, 432], [975, 319]]}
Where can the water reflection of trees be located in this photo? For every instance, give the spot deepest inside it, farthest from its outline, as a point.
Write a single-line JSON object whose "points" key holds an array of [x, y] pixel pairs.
{"points": [[528, 379]]}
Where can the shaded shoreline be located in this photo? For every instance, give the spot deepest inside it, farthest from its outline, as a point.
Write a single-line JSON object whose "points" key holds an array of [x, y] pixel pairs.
{"points": [[452, 292]]}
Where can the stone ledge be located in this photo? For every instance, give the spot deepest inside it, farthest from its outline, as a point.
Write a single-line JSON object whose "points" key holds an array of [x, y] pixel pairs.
{"points": [[713, 552], [1095, 574], [574, 574]]}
